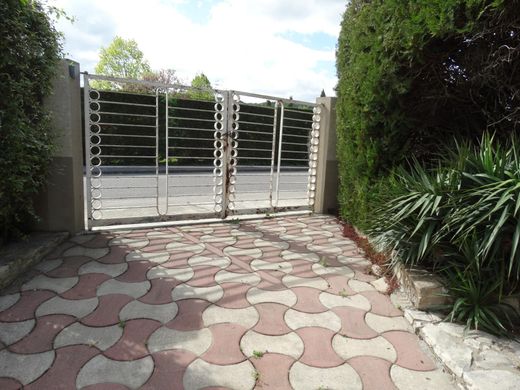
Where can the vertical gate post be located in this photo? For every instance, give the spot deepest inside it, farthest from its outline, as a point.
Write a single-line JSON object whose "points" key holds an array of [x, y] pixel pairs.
{"points": [[60, 204], [326, 201]]}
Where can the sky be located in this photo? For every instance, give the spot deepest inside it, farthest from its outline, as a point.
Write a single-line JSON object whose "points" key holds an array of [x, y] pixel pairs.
{"points": [[275, 47]]}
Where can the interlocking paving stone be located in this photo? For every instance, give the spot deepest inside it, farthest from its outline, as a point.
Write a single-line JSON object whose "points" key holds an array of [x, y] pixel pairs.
{"points": [[377, 347], [358, 301], [353, 323], [58, 285], [100, 337], [271, 321], [169, 369], [383, 324], [305, 377], [289, 344], [284, 297], [289, 255], [204, 276], [24, 367], [359, 286], [234, 295], [406, 379], [48, 265], [24, 308], [7, 301], [76, 308], [68, 267], [107, 312], [113, 286], [294, 281], [214, 314], [154, 257], [374, 372], [318, 347], [225, 348], [327, 270], [273, 369], [86, 286], [78, 250], [409, 353], [195, 341], [296, 319], [282, 266], [308, 300], [181, 274], [102, 268], [254, 253], [381, 304], [10, 384], [223, 276], [216, 261], [133, 343], [137, 242], [100, 369], [160, 291], [189, 314], [62, 373], [11, 332], [183, 291], [184, 247], [162, 313], [201, 374]]}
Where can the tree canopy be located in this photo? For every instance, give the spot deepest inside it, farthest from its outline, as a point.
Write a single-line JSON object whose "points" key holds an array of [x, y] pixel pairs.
{"points": [[202, 88]]}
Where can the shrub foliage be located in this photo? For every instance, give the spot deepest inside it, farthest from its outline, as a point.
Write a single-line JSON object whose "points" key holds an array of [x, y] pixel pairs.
{"points": [[413, 73], [30, 48]]}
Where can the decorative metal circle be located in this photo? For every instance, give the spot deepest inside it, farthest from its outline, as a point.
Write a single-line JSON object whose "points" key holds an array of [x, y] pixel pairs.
{"points": [[231, 197], [96, 193], [236, 107], [95, 183], [234, 153], [218, 199], [96, 105], [217, 172], [96, 204], [316, 126], [233, 162], [95, 161], [217, 163], [219, 97], [236, 116], [218, 153], [315, 134], [219, 107], [95, 151], [316, 110], [232, 180], [218, 208], [234, 134], [236, 98], [94, 115], [311, 201], [314, 149], [218, 126], [219, 182], [234, 144], [97, 214], [95, 128], [316, 118], [95, 172], [218, 144], [95, 140], [235, 126], [94, 95], [232, 189], [218, 116]]}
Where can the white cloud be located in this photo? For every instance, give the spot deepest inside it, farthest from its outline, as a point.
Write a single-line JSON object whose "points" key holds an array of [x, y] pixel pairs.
{"points": [[240, 45]]}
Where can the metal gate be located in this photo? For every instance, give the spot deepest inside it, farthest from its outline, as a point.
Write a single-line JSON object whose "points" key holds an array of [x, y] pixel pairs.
{"points": [[160, 152]]}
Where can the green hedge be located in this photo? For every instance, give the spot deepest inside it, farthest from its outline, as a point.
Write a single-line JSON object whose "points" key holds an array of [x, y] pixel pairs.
{"points": [[414, 74], [30, 49]]}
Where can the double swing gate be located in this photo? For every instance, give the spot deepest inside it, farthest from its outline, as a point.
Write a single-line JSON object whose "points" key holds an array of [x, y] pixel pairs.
{"points": [[159, 152]]}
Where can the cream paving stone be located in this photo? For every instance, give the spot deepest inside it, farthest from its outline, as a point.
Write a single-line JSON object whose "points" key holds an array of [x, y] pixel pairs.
{"points": [[247, 317], [24, 367], [283, 266], [11, 332], [6, 301], [251, 252], [232, 277], [260, 243], [331, 300], [214, 261], [289, 344], [58, 285], [405, 379], [272, 229], [196, 341], [354, 261], [308, 256], [181, 274], [135, 243], [48, 265], [384, 324], [75, 307], [380, 285], [200, 374], [95, 267], [296, 319], [285, 297], [199, 229], [218, 239], [295, 238], [99, 337], [157, 234], [318, 233], [112, 286], [185, 247], [154, 257], [94, 253], [291, 281], [304, 377], [347, 347], [328, 249], [326, 270], [359, 286], [292, 224], [211, 294], [245, 234], [136, 309], [101, 369]]}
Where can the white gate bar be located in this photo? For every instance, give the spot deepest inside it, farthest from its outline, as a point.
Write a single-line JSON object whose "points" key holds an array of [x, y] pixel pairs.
{"points": [[279, 152]]}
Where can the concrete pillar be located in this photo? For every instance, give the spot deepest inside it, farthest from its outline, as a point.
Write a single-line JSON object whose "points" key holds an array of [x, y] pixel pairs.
{"points": [[60, 204], [326, 200]]}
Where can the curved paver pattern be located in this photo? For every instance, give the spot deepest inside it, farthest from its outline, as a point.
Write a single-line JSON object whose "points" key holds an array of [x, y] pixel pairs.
{"points": [[279, 303]]}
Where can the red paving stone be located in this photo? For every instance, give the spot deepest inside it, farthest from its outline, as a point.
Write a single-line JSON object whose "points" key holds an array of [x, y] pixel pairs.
{"points": [[353, 323], [26, 306], [107, 311], [308, 300], [203, 276], [271, 280], [86, 286], [338, 285], [381, 304], [234, 296], [69, 267], [302, 269], [105, 386], [189, 315], [374, 372], [169, 369], [273, 369], [136, 271], [271, 320], [160, 291], [9, 384], [41, 338], [65, 368], [116, 255], [318, 350], [225, 348], [132, 344], [409, 353]]}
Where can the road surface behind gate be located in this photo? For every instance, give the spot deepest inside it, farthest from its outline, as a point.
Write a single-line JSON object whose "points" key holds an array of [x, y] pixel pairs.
{"points": [[271, 304]]}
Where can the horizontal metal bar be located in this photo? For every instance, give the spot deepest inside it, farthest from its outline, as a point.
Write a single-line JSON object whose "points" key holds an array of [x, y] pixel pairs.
{"points": [[102, 188], [253, 158], [255, 132], [124, 114], [191, 129], [255, 114], [190, 109], [122, 124], [191, 119], [255, 140], [255, 149], [142, 82], [294, 151], [118, 156], [295, 135], [193, 185], [274, 98], [125, 103], [295, 143], [193, 157], [127, 146], [294, 191], [193, 139], [299, 111], [298, 119], [154, 206], [125, 135], [188, 148], [295, 159], [297, 128], [144, 196], [255, 123], [189, 204]]}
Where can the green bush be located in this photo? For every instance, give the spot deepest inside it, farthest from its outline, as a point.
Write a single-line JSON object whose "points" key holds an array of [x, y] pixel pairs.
{"points": [[30, 48], [413, 73], [461, 218]]}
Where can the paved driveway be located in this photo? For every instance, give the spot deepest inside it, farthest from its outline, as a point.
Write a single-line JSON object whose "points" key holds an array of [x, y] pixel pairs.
{"points": [[269, 304]]}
